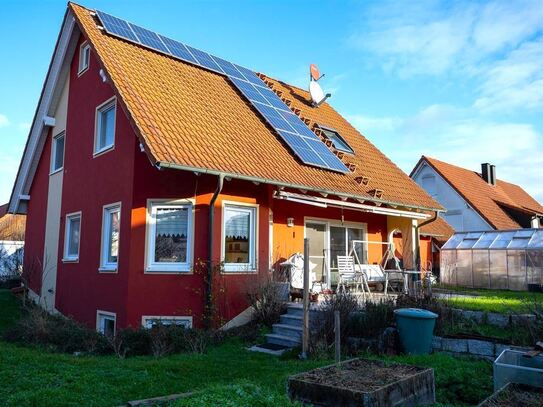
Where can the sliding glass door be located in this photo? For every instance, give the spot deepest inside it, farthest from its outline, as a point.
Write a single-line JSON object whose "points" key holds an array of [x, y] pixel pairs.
{"points": [[329, 239]]}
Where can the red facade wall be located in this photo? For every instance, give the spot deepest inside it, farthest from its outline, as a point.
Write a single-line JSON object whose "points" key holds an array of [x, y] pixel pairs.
{"points": [[89, 184], [35, 221]]}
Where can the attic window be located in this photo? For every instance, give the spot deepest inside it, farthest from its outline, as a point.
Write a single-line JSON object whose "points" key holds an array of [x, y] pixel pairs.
{"points": [[338, 142], [84, 57]]}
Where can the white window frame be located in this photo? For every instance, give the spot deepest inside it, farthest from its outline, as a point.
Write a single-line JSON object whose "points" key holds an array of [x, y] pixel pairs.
{"points": [[153, 267], [145, 319], [328, 223], [105, 265], [67, 229], [103, 315], [108, 104], [84, 51], [250, 267], [54, 152]]}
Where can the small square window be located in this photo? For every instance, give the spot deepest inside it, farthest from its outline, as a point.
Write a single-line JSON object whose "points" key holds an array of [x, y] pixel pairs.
{"points": [[104, 138], [239, 231], [57, 153], [72, 237], [111, 224], [84, 58], [105, 323], [338, 142]]}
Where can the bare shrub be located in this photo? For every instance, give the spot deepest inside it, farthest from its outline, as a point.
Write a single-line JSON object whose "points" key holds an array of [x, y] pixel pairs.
{"points": [[324, 335], [372, 320], [266, 301], [160, 341]]}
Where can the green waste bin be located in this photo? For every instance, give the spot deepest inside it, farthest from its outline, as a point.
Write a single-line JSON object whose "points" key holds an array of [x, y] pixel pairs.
{"points": [[416, 329]]}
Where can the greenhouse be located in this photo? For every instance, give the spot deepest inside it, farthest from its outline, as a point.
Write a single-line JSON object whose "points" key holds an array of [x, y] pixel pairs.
{"points": [[509, 259]]}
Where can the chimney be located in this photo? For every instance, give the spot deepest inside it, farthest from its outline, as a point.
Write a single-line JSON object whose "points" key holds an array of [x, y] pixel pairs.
{"points": [[488, 173], [493, 174]]}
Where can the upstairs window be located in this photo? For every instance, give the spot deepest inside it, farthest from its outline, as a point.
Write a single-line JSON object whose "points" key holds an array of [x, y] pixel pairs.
{"points": [[57, 152], [111, 226], [239, 231], [84, 57], [72, 237], [338, 142], [169, 237], [104, 138]]}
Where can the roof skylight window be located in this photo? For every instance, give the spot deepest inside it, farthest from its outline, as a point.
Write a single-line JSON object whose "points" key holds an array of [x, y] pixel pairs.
{"points": [[338, 142]]}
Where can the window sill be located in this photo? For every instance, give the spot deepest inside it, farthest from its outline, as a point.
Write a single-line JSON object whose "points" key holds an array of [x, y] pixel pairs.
{"points": [[103, 151], [162, 270], [107, 270], [82, 71], [71, 260], [239, 270], [56, 171]]}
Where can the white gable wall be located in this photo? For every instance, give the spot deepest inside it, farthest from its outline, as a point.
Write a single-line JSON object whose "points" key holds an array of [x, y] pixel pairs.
{"points": [[460, 215]]}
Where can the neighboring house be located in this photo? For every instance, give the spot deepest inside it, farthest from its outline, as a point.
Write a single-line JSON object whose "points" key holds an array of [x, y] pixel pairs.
{"points": [[477, 201], [143, 172], [12, 236]]}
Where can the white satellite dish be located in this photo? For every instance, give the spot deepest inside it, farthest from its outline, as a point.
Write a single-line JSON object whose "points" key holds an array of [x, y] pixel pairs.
{"points": [[315, 90]]}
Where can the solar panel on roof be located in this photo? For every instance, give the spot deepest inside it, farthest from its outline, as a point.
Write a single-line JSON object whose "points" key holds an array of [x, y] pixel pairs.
{"points": [[116, 26], [301, 140], [149, 38]]}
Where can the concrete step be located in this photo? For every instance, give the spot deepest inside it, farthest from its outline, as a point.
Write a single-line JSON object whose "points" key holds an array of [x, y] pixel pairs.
{"points": [[288, 330], [294, 320], [283, 340]]}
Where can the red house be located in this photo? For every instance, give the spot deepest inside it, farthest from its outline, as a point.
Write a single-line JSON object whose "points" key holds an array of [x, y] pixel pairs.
{"points": [[151, 165]]}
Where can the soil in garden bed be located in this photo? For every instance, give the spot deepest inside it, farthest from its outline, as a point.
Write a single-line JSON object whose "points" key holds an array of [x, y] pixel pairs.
{"points": [[362, 375], [517, 395]]}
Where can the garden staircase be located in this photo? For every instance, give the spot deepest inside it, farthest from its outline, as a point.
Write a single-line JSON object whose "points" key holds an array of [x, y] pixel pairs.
{"points": [[288, 332]]}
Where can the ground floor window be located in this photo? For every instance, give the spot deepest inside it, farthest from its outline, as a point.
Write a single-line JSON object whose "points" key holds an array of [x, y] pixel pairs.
{"points": [[105, 323], [169, 236], [150, 321], [239, 237], [111, 226]]}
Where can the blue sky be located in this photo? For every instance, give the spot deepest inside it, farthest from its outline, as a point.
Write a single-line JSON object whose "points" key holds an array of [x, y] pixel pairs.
{"points": [[458, 81]]}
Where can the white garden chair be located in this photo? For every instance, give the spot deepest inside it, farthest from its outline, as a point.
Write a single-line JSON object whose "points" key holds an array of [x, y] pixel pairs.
{"points": [[347, 275]]}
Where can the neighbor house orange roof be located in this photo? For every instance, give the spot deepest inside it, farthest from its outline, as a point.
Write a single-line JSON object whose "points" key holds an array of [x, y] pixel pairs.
{"points": [[12, 227], [192, 118], [438, 229], [488, 200]]}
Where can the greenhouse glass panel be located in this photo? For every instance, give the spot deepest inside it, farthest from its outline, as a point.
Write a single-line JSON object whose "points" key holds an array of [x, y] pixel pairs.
{"points": [[486, 240], [516, 269], [534, 266], [453, 241], [467, 243], [502, 241], [481, 269], [448, 267], [464, 268], [519, 243], [498, 269], [537, 240]]}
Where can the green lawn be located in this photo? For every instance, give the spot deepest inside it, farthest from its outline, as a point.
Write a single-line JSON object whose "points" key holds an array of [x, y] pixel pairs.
{"points": [[502, 301], [226, 375]]}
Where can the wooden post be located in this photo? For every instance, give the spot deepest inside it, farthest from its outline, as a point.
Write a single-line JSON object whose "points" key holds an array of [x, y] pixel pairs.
{"points": [[305, 333], [337, 331]]}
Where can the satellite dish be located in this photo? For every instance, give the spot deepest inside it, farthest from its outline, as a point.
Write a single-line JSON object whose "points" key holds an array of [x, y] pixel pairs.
{"points": [[316, 92], [314, 72]]}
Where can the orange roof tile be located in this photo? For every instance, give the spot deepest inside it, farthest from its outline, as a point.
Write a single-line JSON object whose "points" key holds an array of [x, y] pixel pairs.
{"points": [[438, 229], [488, 200], [12, 227], [193, 118]]}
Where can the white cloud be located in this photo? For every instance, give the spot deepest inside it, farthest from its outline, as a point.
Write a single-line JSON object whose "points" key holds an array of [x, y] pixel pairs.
{"points": [[4, 122], [455, 136]]}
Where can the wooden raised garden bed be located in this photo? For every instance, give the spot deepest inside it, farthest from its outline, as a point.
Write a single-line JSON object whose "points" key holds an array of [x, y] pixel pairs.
{"points": [[363, 382], [515, 395]]}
